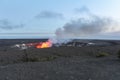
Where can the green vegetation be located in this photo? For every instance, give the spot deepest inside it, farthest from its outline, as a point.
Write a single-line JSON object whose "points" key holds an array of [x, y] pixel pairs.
{"points": [[102, 54]]}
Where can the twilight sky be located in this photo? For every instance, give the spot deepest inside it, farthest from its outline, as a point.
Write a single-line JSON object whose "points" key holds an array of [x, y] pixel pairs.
{"points": [[41, 18]]}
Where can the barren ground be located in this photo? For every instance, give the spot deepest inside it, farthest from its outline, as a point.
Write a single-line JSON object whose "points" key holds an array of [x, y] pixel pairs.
{"points": [[59, 63]]}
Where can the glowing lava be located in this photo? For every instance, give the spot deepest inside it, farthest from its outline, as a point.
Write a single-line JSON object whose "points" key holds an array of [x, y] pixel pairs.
{"points": [[46, 44]]}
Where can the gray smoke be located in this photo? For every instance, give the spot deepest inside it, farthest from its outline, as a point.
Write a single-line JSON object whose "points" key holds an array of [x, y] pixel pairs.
{"points": [[7, 25], [92, 25]]}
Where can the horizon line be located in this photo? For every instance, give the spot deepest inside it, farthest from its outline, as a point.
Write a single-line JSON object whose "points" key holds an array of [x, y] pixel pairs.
{"points": [[22, 33]]}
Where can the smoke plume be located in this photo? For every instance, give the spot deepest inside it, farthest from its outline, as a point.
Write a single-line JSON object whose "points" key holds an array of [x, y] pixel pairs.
{"points": [[92, 25]]}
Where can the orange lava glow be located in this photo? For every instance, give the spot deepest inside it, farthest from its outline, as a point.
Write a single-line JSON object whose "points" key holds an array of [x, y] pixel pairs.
{"points": [[46, 44]]}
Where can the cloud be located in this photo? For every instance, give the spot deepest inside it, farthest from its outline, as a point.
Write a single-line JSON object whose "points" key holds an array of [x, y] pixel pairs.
{"points": [[83, 9], [49, 15], [7, 25], [92, 25]]}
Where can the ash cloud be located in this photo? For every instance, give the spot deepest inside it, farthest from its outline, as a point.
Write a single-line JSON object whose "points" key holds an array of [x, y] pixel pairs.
{"points": [[49, 15], [92, 25], [7, 25]]}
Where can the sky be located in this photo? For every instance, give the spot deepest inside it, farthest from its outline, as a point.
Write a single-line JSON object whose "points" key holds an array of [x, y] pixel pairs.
{"points": [[41, 18]]}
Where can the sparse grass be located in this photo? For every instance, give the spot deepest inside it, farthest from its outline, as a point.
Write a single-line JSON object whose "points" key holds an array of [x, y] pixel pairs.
{"points": [[102, 54], [118, 53], [40, 59], [48, 58]]}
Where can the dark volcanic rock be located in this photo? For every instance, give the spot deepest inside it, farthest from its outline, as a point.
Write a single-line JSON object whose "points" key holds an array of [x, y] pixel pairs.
{"points": [[59, 63], [74, 68]]}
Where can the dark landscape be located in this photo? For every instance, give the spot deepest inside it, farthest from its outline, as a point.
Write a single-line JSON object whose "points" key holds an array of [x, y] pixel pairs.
{"points": [[75, 60]]}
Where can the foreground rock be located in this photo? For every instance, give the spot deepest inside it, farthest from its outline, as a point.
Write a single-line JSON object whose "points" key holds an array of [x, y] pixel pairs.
{"points": [[72, 68]]}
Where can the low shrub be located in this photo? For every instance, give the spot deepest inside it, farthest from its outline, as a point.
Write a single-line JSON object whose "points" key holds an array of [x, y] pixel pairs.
{"points": [[39, 59], [118, 53], [102, 54]]}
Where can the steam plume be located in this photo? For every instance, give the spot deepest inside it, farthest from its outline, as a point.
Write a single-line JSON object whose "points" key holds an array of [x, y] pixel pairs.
{"points": [[92, 25]]}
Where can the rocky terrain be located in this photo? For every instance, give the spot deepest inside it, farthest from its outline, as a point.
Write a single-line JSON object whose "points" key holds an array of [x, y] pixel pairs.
{"points": [[93, 62]]}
